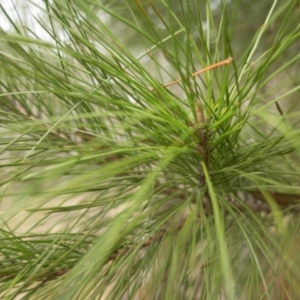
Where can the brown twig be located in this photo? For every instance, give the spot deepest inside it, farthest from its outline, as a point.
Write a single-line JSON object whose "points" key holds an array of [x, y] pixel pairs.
{"points": [[82, 134], [24, 113], [203, 134], [121, 252], [257, 204]]}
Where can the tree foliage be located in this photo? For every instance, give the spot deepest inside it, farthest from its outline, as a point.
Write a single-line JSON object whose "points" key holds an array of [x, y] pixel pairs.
{"points": [[165, 166]]}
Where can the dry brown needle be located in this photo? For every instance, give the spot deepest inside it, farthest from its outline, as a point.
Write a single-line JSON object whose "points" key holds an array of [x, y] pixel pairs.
{"points": [[221, 63]]}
